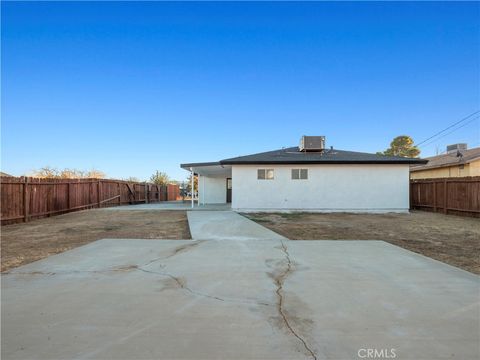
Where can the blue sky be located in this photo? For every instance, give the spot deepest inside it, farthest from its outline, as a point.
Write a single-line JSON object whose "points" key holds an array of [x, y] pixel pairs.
{"points": [[129, 88]]}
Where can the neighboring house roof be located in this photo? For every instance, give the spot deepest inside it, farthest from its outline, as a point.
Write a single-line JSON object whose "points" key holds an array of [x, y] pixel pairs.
{"points": [[447, 160], [5, 174], [293, 155]]}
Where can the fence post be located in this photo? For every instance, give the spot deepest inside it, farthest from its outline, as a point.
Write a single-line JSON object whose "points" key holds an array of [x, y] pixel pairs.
{"points": [[119, 194], [434, 196], [410, 193], [98, 194], [26, 199], [89, 194], [146, 192], [445, 196], [68, 196]]}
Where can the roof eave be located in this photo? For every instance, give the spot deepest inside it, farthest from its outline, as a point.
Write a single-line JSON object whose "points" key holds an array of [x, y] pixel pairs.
{"points": [[324, 162], [193, 165], [441, 166]]}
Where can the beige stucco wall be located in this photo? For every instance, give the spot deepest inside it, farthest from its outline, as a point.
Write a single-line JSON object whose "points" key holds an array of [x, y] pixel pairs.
{"points": [[471, 169], [475, 168]]}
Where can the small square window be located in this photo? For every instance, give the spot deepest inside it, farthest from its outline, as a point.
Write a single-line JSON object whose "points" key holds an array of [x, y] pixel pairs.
{"points": [[299, 174], [265, 174]]}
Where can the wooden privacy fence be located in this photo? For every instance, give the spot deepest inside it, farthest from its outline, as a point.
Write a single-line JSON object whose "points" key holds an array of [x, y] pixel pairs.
{"points": [[459, 196], [24, 198]]}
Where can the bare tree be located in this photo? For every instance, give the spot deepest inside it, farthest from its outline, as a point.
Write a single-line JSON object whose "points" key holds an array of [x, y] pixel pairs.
{"points": [[94, 173], [132, 179], [160, 178], [46, 172], [54, 173]]}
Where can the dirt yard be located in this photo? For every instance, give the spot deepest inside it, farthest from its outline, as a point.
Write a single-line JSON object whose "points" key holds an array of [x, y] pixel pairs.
{"points": [[23, 243], [452, 239]]}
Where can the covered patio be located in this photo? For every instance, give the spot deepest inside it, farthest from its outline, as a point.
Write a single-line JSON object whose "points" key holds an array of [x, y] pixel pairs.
{"points": [[214, 184]]}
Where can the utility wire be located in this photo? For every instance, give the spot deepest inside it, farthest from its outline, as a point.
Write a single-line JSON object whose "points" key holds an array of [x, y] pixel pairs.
{"points": [[447, 128], [459, 127]]}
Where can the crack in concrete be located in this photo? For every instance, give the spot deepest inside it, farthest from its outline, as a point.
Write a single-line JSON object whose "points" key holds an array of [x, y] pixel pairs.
{"points": [[71, 272], [121, 268], [29, 273], [178, 250], [279, 281], [178, 281], [181, 284]]}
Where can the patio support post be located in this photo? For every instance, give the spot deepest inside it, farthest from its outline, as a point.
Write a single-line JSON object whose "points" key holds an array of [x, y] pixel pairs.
{"points": [[198, 196], [192, 192]]}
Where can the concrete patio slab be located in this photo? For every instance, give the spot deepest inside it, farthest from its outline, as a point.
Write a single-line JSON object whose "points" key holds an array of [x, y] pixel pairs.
{"points": [[170, 205], [257, 299], [226, 225]]}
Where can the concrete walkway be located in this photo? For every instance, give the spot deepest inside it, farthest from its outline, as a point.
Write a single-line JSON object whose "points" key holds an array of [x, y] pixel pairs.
{"points": [[253, 299], [226, 225]]}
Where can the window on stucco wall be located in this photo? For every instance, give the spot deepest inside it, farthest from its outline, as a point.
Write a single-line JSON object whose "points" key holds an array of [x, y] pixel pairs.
{"points": [[299, 174], [265, 174]]}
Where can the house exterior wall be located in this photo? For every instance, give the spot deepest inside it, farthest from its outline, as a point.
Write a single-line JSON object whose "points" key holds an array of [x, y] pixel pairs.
{"points": [[475, 168], [356, 188], [212, 190], [471, 169]]}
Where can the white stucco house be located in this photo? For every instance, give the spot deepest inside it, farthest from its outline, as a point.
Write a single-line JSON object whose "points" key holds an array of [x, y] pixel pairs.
{"points": [[309, 177]]}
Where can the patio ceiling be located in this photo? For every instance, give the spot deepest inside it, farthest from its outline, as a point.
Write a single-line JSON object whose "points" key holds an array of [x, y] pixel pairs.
{"points": [[209, 169]]}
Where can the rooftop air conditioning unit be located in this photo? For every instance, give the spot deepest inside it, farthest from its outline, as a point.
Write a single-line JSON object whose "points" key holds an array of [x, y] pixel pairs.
{"points": [[312, 143], [456, 147]]}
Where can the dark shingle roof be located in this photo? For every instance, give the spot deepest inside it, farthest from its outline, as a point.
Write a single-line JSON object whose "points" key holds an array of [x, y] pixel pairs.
{"points": [[444, 160], [292, 155]]}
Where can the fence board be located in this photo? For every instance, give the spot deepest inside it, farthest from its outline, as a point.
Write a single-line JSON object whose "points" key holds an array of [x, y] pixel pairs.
{"points": [[25, 198], [460, 196]]}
